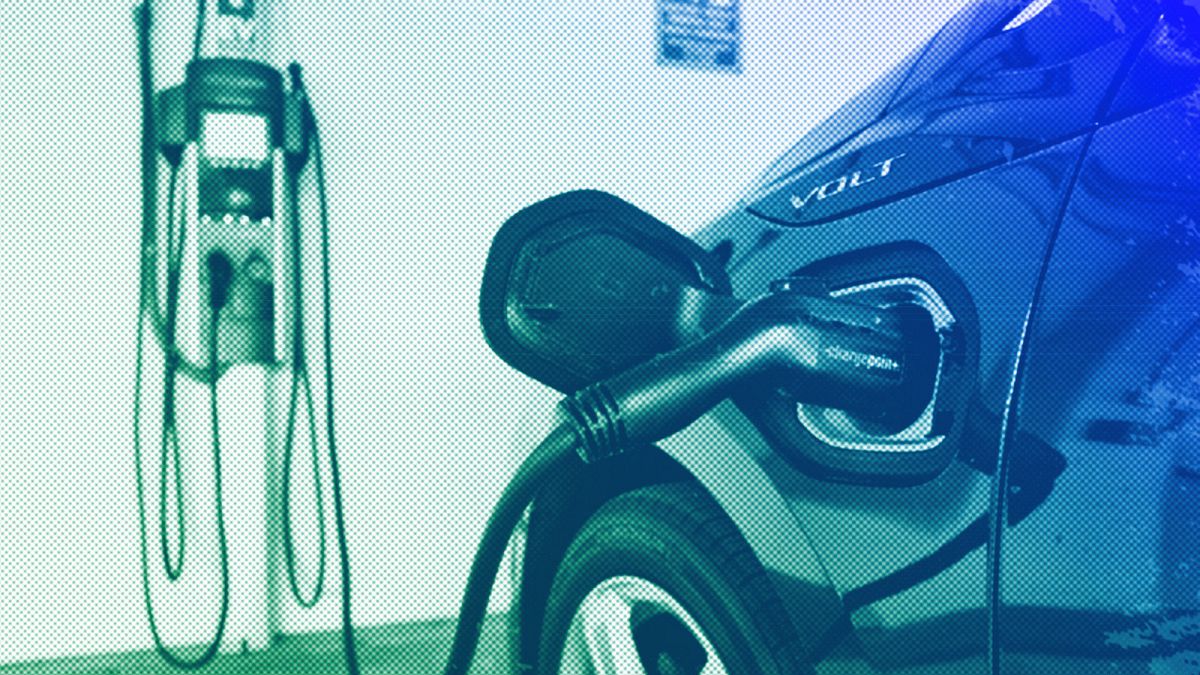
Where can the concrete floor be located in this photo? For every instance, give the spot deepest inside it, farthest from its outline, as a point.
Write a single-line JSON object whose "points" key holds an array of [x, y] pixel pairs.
{"points": [[404, 649]]}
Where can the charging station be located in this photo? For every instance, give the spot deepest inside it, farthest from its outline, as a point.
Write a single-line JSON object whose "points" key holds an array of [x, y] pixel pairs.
{"points": [[224, 297]]}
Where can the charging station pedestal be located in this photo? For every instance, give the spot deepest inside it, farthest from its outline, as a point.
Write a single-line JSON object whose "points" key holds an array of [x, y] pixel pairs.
{"points": [[253, 407], [253, 393], [254, 551]]}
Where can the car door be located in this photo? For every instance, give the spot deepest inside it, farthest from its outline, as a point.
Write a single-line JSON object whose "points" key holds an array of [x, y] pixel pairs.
{"points": [[1101, 571]]}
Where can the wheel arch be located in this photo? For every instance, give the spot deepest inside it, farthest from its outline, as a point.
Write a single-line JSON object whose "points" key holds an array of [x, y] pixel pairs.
{"points": [[556, 516], [722, 454]]}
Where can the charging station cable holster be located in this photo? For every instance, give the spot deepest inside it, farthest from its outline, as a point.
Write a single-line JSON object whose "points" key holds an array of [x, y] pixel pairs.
{"points": [[239, 118]]}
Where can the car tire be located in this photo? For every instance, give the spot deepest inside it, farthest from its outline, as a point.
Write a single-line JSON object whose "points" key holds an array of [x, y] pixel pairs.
{"points": [[661, 578]]}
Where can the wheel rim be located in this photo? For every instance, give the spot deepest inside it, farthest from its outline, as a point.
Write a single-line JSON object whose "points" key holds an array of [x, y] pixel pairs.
{"points": [[630, 626]]}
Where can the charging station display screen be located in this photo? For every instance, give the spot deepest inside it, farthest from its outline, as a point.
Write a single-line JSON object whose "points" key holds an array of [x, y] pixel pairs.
{"points": [[234, 136]]}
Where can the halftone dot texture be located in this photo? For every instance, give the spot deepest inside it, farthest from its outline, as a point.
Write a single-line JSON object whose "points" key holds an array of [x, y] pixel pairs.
{"points": [[440, 121], [1105, 568]]}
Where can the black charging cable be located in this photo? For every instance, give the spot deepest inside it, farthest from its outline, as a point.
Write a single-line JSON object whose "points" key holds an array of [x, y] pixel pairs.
{"points": [[300, 378], [552, 456], [220, 275], [198, 38], [310, 122], [220, 278], [301, 381], [791, 340], [169, 446]]}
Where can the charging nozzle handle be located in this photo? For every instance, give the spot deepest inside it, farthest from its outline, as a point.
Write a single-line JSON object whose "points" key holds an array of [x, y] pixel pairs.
{"points": [[822, 351], [220, 278]]}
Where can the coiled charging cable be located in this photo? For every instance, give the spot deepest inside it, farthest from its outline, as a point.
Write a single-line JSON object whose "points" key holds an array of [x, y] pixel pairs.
{"points": [[220, 272], [301, 382], [314, 138], [175, 363]]}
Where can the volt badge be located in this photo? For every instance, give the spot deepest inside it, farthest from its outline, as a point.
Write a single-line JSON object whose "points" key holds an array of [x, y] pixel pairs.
{"points": [[850, 181]]}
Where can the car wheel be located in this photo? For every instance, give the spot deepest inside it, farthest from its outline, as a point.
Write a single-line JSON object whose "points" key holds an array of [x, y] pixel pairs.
{"points": [[659, 581]]}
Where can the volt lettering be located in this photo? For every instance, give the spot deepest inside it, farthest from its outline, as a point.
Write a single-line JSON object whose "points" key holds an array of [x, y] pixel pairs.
{"points": [[847, 182]]}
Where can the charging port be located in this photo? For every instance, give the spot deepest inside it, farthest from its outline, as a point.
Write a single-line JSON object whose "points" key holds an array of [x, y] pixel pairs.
{"points": [[848, 431], [912, 444]]}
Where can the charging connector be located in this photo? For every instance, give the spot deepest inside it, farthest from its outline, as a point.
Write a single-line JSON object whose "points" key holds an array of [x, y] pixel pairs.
{"points": [[220, 278], [826, 352]]}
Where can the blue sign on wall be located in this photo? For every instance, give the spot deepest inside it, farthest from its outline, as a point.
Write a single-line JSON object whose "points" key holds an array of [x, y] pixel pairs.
{"points": [[700, 34]]}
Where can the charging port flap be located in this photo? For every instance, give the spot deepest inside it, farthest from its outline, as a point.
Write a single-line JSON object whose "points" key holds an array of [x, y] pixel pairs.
{"points": [[584, 285]]}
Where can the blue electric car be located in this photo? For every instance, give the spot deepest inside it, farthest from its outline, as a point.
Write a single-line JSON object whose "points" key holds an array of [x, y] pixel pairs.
{"points": [[1026, 186]]}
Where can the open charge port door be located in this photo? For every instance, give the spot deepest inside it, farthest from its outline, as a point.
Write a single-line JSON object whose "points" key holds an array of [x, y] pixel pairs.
{"points": [[840, 446]]}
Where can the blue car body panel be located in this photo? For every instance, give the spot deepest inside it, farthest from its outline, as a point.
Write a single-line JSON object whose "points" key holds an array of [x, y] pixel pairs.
{"points": [[993, 228], [979, 97], [1105, 574]]}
